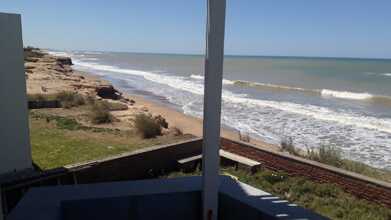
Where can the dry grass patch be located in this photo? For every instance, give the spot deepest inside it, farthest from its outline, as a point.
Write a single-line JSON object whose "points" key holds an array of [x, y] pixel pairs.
{"points": [[57, 141], [100, 113]]}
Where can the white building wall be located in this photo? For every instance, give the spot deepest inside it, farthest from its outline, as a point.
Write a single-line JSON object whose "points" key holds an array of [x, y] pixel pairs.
{"points": [[15, 152]]}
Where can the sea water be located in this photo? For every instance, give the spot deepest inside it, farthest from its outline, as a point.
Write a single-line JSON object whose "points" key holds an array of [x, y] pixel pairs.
{"points": [[341, 102]]}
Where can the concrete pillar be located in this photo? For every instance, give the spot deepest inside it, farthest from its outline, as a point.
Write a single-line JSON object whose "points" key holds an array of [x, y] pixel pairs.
{"points": [[15, 152], [212, 106]]}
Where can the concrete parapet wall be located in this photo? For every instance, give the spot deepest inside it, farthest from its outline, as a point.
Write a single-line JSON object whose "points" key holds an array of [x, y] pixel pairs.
{"points": [[356, 184], [141, 164], [154, 161]]}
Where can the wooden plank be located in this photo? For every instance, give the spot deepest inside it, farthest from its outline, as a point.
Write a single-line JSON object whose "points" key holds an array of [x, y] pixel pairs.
{"points": [[189, 159], [189, 163], [239, 159]]}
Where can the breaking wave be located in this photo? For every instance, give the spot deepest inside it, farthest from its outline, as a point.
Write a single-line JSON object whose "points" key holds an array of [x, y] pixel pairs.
{"points": [[358, 134], [321, 113], [200, 77], [325, 93], [346, 94], [270, 86]]}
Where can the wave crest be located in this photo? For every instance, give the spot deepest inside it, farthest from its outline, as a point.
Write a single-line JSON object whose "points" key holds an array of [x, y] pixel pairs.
{"points": [[345, 94], [270, 86], [200, 77], [325, 93]]}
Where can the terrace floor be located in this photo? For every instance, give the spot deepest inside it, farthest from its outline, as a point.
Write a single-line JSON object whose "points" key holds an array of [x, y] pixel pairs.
{"points": [[177, 198]]}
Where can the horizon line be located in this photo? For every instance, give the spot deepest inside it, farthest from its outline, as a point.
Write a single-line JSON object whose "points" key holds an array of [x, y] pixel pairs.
{"points": [[229, 55]]}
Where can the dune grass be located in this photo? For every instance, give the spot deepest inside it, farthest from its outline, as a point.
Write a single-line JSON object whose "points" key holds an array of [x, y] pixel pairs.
{"points": [[331, 155], [99, 110], [326, 199], [100, 113], [57, 141]]}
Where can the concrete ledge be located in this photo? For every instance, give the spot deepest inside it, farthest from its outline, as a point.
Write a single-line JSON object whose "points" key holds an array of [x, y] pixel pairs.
{"points": [[88, 164], [316, 164], [163, 196]]}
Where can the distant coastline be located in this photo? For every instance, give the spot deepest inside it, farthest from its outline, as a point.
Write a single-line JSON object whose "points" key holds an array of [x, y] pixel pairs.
{"points": [[233, 55], [44, 77]]}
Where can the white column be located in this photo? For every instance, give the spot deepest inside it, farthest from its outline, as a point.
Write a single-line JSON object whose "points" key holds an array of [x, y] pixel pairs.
{"points": [[212, 106], [15, 151]]}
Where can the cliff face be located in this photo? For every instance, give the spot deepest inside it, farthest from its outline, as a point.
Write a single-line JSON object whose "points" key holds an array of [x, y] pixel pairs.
{"points": [[51, 75], [47, 74]]}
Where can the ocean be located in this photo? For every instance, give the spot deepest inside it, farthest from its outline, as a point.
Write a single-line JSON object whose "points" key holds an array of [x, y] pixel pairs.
{"points": [[342, 102]]}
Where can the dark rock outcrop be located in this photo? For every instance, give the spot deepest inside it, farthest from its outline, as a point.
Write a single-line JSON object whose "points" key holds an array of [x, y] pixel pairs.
{"points": [[62, 68], [64, 60], [108, 92], [30, 53], [161, 121]]}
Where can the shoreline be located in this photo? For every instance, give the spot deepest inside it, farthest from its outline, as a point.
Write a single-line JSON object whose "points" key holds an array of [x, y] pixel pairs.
{"points": [[46, 77], [192, 125]]}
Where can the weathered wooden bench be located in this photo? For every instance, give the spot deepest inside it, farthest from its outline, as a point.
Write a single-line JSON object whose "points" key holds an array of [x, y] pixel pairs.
{"points": [[240, 161], [191, 163]]}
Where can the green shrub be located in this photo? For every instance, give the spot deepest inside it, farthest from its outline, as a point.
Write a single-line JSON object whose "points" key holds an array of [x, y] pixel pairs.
{"points": [[327, 199], [37, 97], [100, 113], [287, 146], [273, 177], [147, 126], [326, 154], [70, 99], [67, 123]]}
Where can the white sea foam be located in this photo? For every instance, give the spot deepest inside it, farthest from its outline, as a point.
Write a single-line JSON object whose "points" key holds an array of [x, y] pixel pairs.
{"points": [[324, 92], [320, 113], [200, 77], [378, 74], [194, 76], [365, 138], [271, 86], [345, 94], [60, 53], [92, 52], [90, 59]]}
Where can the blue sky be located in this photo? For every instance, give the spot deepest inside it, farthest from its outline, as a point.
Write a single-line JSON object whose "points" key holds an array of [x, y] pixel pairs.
{"points": [[336, 28]]}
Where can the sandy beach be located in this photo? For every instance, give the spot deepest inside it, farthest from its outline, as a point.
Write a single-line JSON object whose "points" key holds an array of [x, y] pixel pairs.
{"points": [[46, 75]]}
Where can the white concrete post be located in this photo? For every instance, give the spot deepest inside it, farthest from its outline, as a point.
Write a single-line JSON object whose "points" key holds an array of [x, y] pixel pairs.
{"points": [[212, 106], [15, 153]]}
